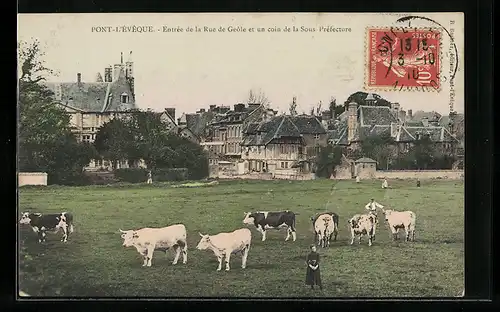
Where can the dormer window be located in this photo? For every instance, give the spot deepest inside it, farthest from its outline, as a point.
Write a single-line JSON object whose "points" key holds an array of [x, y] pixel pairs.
{"points": [[124, 98]]}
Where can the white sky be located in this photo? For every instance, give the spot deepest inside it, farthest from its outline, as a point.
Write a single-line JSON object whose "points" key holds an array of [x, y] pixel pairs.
{"points": [[189, 71]]}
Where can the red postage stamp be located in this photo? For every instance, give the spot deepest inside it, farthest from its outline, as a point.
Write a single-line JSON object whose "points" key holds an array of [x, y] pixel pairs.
{"points": [[403, 59]]}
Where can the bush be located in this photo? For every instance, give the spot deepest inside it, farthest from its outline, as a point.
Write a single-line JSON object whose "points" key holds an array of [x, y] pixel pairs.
{"points": [[131, 175], [171, 174]]}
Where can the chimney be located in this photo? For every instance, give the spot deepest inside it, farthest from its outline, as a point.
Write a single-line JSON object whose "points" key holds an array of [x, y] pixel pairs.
{"points": [[326, 115], [212, 108], [202, 110], [108, 74], [410, 114], [239, 107], [171, 112], [79, 78], [352, 121], [425, 121]]}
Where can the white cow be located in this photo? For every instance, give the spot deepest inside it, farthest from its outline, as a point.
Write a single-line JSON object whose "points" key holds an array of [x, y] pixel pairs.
{"points": [[363, 224], [225, 244], [324, 227], [401, 220], [147, 240]]}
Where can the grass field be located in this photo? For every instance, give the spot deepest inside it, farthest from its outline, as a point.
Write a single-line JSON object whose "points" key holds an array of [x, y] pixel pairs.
{"points": [[94, 263]]}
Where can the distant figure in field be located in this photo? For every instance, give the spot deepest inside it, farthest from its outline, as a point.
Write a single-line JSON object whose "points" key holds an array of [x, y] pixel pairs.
{"points": [[358, 179], [385, 184], [150, 177], [372, 206], [313, 276], [418, 183]]}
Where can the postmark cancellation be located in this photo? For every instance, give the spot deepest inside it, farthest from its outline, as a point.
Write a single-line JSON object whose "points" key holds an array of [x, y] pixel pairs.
{"points": [[403, 59]]}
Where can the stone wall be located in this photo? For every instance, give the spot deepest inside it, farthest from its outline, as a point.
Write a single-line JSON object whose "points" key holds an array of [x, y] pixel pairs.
{"points": [[32, 178], [420, 174]]}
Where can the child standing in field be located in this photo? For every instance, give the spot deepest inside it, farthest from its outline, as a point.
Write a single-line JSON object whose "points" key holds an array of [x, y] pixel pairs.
{"points": [[150, 177], [313, 276]]}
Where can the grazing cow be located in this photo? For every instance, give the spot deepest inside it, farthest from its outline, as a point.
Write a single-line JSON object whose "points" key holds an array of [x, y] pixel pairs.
{"points": [[147, 240], [401, 220], [335, 218], [52, 223], [362, 224], [225, 244], [324, 227], [272, 220]]}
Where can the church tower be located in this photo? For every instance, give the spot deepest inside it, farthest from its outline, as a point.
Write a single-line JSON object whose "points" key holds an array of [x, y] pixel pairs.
{"points": [[129, 72]]}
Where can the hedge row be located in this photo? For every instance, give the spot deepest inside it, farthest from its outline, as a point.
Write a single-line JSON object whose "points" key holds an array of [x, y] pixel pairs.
{"points": [[140, 175]]}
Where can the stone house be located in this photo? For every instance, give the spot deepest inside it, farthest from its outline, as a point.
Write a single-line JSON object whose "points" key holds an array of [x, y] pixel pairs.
{"points": [[359, 122], [365, 168], [194, 126], [283, 144], [91, 104]]}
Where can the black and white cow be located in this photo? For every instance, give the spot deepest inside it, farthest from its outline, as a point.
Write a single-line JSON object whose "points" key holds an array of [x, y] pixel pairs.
{"points": [[53, 222], [272, 220]]}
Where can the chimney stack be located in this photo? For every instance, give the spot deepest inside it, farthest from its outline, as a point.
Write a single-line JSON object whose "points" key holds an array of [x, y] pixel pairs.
{"points": [[79, 78], [108, 74]]}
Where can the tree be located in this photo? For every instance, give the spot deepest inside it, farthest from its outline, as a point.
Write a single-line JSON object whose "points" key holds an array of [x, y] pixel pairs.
{"points": [[293, 107], [258, 97], [329, 157], [379, 148], [45, 140], [115, 141], [359, 97]]}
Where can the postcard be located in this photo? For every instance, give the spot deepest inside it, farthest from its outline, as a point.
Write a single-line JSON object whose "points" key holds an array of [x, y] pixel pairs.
{"points": [[241, 155]]}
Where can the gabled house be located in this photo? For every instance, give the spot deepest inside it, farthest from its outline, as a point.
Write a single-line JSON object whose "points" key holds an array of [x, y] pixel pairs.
{"points": [[194, 126], [360, 122], [283, 144], [93, 103]]}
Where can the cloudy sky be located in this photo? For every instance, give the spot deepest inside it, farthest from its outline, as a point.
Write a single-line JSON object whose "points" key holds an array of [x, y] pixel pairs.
{"points": [[192, 70]]}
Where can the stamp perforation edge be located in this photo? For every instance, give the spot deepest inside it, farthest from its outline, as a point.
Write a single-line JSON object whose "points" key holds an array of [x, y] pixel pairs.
{"points": [[366, 85]]}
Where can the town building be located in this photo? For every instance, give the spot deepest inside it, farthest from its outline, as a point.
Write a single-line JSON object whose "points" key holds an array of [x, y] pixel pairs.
{"points": [[283, 145], [225, 132], [358, 122], [93, 103]]}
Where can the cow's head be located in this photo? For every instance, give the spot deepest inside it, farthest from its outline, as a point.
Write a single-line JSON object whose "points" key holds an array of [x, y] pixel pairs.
{"points": [[26, 217], [129, 237], [386, 213], [204, 242], [249, 219], [352, 222]]}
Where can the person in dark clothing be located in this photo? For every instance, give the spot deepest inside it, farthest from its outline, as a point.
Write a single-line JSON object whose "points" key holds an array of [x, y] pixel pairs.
{"points": [[313, 276], [418, 183]]}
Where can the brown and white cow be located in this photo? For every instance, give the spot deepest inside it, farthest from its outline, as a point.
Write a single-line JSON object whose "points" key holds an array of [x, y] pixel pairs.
{"points": [[226, 244], [147, 240], [401, 220], [51, 222], [335, 218], [363, 224], [265, 220]]}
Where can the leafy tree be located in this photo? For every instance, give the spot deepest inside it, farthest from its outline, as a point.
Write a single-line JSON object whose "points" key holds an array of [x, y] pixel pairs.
{"points": [[359, 97], [329, 157], [258, 97], [379, 148], [115, 141], [45, 139]]}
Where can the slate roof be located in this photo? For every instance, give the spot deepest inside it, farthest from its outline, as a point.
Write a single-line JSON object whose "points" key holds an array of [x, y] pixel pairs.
{"points": [[378, 115], [94, 96], [281, 126], [197, 123], [436, 134], [376, 130]]}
